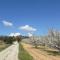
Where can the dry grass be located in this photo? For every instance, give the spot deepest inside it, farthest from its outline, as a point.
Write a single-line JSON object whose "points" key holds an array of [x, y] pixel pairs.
{"points": [[3, 46], [49, 51], [40, 54]]}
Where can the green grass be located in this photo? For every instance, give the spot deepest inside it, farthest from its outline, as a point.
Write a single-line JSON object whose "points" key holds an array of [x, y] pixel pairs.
{"points": [[23, 54]]}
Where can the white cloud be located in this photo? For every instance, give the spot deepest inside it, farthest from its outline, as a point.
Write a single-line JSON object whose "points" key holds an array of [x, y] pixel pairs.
{"points": [[27, 28], [7, 23], [17, 34], [11, 34], [14, 34], [30, 34]]}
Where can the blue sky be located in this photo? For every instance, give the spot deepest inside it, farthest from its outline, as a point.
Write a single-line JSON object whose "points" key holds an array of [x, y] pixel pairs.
{"points": [[36, 14]]}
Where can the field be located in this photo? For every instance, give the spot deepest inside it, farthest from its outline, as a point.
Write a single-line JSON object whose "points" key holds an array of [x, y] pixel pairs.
{"points": [[41, 53], [49, 51], [27, 51], [23, 54], [3, 46]]}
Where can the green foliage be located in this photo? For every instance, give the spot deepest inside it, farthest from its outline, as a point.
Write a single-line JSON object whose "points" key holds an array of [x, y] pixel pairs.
{"points": [[7, 39]]}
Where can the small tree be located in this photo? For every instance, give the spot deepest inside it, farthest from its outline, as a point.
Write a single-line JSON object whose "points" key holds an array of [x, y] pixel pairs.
{"points": [[18, 38], [35, 42]]}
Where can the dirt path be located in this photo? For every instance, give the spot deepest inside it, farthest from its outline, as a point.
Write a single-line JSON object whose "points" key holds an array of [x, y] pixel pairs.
{"points": [[11, 53], [37, 54]]}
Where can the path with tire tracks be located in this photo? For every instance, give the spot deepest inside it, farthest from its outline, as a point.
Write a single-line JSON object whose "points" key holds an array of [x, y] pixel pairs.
{"points": [[37, 54]]}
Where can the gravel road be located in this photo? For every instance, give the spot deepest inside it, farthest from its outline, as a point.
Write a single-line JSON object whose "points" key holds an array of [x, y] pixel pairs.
{"points": [[10, 53]]}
